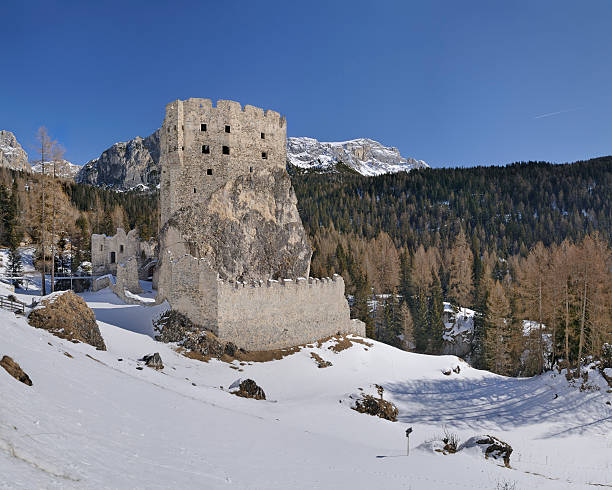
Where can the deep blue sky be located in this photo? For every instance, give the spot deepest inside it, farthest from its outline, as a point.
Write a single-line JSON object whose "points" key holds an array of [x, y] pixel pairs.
{"points": [[449, 82]]}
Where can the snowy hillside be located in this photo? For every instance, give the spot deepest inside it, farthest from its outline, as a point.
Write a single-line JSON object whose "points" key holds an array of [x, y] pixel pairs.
{"points": [[92, 419], [63, 168], [365, 156]]}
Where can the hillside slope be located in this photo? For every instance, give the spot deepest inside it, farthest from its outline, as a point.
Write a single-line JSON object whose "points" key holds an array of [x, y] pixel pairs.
{"points": [[92, 419]]}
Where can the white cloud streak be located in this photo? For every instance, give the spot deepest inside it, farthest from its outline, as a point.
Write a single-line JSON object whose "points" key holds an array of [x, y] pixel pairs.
{"points": [[549, 114]]}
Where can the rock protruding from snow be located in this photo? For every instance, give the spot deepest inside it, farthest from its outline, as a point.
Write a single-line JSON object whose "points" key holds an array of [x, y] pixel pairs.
{"points": [[63, 168], [247, 389], [377, 407], [127, 165], [15, 370], [173, 326], [459, 330], [154, 361], [12, 155], [491, 446], [364, 156], [67, 316]]}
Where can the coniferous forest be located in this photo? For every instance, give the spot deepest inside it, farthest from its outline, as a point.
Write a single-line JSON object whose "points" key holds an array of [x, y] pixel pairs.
{"points": [[528, 241]]}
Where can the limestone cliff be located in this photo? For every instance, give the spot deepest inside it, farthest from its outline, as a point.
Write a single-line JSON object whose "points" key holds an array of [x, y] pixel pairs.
{"points": [[12, 155], [249, 229], [125, 165]]}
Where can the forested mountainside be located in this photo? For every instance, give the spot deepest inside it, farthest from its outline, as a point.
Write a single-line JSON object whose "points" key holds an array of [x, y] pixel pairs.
{"points": [[81, 209], [507, 209], [529, 242]]}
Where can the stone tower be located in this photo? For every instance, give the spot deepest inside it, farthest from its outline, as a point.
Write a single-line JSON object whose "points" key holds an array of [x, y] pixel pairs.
{"points": [[225, 193], [234, 256], [204, 147]]}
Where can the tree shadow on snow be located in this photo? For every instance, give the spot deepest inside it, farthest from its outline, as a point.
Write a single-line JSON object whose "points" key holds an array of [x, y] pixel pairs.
{"points": [[493, 403]]}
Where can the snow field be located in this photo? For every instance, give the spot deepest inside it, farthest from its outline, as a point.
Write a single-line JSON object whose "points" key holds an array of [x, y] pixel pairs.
{"points": [[94, 421]]}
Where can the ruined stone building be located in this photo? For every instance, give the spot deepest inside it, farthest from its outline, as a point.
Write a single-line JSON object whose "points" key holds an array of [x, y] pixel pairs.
{"points": [[107, 252], [234, 256]]}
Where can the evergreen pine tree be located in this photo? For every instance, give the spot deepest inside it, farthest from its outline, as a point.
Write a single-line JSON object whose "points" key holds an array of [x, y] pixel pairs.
{"points": [[436, 325]]}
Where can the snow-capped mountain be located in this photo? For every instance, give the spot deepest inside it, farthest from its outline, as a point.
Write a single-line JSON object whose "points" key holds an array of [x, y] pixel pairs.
{"points": [[63, 168], [363, 155], [12, 155]]}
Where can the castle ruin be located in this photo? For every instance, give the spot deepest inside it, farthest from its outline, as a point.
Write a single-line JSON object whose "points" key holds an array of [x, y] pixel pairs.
{"points": [[234, 256]]}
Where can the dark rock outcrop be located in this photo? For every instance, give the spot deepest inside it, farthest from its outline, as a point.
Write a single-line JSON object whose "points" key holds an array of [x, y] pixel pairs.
{"points": [[15, 370], [67, 316], [125, 165], [491, 446], [154, 361], [377, 407], [173, 326], [249, 389]]}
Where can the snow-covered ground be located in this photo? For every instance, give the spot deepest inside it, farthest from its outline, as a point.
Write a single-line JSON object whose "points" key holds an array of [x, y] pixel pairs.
{"points": [[93, 420]]}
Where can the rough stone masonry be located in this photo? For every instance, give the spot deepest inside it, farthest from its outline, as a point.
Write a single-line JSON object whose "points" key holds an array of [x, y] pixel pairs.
{"points": [[234, 256]]}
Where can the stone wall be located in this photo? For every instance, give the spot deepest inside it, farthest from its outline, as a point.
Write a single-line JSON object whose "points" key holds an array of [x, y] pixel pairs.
{"points": [[127, 276], [279, 314], [260, 315], [190, 287]]}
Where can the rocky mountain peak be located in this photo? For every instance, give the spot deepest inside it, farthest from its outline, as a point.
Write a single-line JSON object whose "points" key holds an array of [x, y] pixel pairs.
{"points": [[125, 165], [12, 155], [63, 168]]}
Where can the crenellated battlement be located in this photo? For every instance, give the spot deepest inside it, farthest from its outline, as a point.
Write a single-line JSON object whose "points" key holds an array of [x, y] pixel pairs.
{"points": [[310, 282], [228, 107]]}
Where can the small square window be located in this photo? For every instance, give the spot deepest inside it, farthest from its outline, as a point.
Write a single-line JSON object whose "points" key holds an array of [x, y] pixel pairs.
{"points": [[227, 128], [194, 190], [263, 136], [202, 127], [209, 171], [183, 148], [226, 150], [264, 155], [120, 248], [205, 149]]}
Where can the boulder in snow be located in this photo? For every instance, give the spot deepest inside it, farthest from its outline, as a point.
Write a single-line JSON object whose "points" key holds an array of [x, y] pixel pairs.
{"points": [[247, 389], [154, 361], [377, 407], [67, 316], [15, 370], [490, 446]]}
